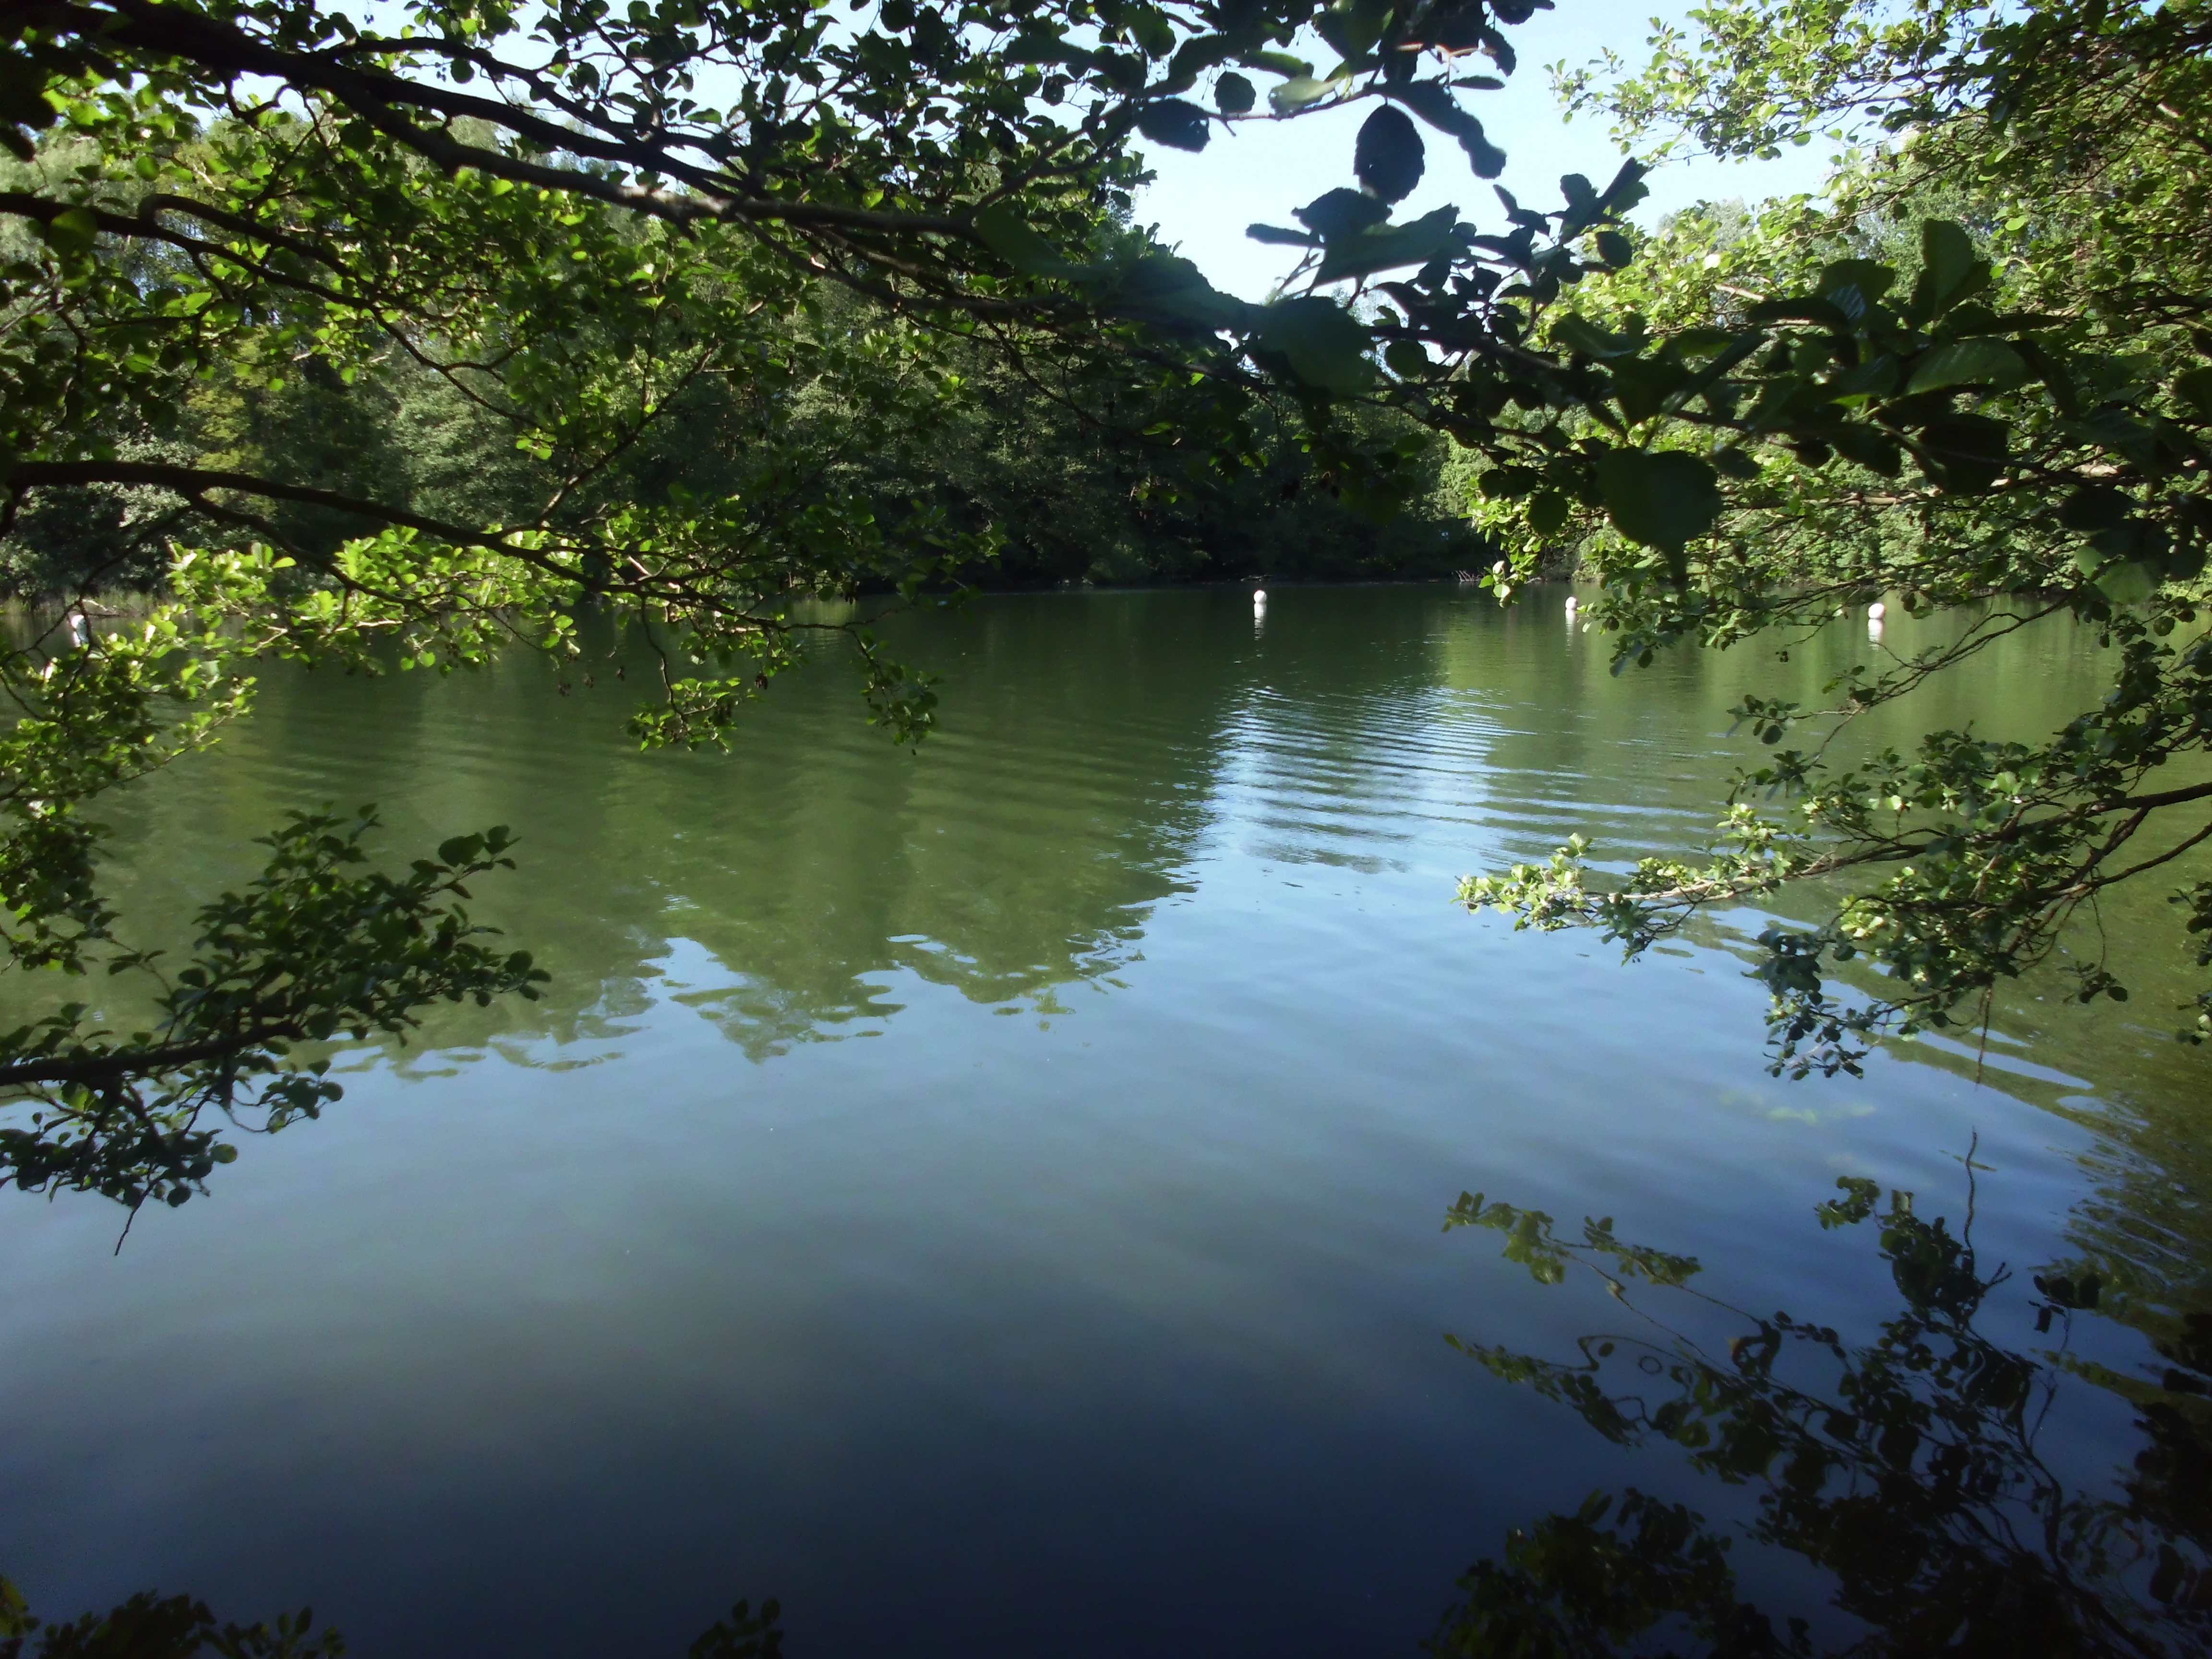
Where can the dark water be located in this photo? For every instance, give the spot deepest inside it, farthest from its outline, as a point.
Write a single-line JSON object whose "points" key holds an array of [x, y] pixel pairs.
{"points": [[995, 1199]]}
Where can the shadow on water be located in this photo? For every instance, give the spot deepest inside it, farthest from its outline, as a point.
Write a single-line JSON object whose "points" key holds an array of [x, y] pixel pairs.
{"points": [[1938, 1475]]}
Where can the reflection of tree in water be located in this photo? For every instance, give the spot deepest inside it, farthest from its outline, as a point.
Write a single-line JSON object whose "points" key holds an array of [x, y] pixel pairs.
{"points": [[1023, 848], [150, 1625], [1915, 1470], [783, 890]]}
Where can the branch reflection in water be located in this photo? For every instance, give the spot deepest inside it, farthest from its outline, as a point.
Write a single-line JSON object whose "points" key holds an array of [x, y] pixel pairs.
{"points": [[1923, 1472]]}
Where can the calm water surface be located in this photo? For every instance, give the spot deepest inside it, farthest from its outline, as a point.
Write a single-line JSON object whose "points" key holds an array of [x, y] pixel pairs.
{"points": [[993, 1199]]}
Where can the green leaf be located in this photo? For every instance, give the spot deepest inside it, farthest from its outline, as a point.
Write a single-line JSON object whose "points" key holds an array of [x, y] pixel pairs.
{"points": [[1194, 57], [2194, 388], [1298, 91], [1152, 30], [1034, 49], [1407, 360], [1643, 384], [1547, 512], [70, 232], [1853, 285], [1326, 347], [1008, 235], [1353, 27], [1580, 334], [1967, 363], [1277, 63], [1801, 308], [1282, 235], [1948, 270], [1876, 377], [1626, 187], [459, 849], [2095, 507], [2126, 581], [1169, 288], [1660, 498]]}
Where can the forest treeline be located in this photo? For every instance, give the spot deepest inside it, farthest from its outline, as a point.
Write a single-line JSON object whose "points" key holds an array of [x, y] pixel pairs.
{"points": [[1052, 482]]}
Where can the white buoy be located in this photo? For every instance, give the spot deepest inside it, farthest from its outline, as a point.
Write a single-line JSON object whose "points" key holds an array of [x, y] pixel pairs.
{"points": [[1259, 596], [80, 631], [1570, 605], [1876, 612]]}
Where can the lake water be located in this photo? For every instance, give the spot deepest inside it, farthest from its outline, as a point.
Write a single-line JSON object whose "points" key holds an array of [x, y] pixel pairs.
{"points": [[993, 1199]]}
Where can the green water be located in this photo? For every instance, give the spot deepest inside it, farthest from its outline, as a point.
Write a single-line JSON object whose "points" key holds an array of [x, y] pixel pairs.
{"points": [[993, 1199]]}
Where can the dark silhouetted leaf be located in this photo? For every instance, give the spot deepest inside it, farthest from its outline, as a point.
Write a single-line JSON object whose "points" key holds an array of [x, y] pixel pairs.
{"points": [[1433, 102], [1326, 347], [1965, 453], [1008, 235], [1580, 334], [1547, 512], [1661, 498], [1174, 122], [2194, 388], [1384, 248], [1389, 156], [1341, 213], [1875, 451], [1407, 360], [1967, 363]]}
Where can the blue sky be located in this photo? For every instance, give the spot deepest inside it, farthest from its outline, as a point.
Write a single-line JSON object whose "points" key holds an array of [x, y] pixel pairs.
{"points": [[1202, 202]]}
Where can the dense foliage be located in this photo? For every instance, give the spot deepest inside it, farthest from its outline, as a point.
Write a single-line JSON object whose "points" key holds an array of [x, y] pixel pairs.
{"points": [[1055, 478], [1974, 374]]}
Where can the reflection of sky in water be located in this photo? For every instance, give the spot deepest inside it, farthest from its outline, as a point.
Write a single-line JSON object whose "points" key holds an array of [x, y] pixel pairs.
{"points": [[1100, 1293]]}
